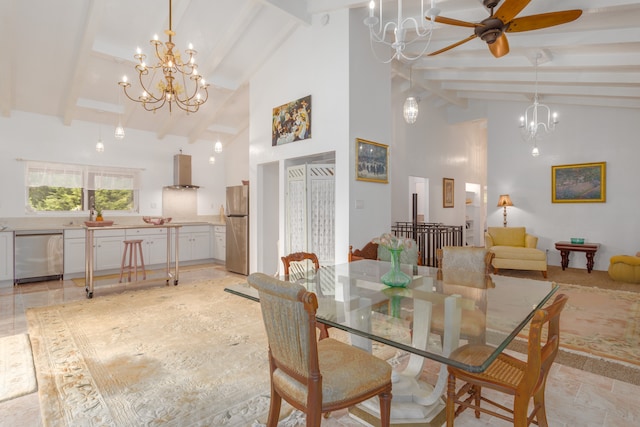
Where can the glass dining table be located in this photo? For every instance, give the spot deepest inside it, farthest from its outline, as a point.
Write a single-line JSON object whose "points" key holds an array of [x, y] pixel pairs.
{"points": [[435, 314]]}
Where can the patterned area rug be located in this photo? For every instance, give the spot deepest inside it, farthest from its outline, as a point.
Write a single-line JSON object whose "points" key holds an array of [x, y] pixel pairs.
{"points": [[185, 355], [17, 375]]}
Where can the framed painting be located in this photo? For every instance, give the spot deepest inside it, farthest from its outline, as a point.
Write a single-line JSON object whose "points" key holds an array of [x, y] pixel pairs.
{"points": [[372, 161], [447, 192], [579, 183], [291, 122]]}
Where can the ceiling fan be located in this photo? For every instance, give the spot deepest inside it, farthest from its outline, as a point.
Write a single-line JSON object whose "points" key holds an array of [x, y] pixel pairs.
{"points": [[492, 29]]}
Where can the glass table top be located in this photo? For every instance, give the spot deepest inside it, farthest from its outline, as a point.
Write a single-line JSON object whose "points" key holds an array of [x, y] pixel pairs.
{"points": [[453, 307]]}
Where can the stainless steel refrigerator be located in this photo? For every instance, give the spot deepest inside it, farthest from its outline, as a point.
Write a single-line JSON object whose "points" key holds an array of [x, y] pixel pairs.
{"points": [[237, 253]]}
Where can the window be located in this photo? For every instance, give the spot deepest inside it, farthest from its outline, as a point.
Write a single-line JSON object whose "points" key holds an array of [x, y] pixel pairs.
{"points": [[58, 187]]}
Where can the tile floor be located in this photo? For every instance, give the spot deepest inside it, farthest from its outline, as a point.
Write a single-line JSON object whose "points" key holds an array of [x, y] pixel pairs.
{"points": [[574, 397]]}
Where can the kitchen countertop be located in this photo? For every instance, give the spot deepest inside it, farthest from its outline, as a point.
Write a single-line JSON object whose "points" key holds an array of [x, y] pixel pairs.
{"points": [[23, 224]]}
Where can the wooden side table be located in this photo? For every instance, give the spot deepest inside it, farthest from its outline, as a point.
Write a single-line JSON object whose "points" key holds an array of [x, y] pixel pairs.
{"points": [[589, 249]]}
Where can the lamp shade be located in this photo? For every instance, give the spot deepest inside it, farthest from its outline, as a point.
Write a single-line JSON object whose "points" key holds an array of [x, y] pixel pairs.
{"points": [[504, 200]]}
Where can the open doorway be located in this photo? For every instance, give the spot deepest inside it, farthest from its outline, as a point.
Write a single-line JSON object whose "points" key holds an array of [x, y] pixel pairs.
{"points": [[420, 186]]}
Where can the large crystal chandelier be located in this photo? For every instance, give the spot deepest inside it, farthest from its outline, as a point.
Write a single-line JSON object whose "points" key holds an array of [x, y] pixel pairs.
{"points": [[406, 30], [538, 120], [171, 80]]}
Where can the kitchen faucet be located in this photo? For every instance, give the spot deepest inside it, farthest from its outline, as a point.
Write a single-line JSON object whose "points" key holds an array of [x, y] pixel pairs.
{"points": [[92, 207]]}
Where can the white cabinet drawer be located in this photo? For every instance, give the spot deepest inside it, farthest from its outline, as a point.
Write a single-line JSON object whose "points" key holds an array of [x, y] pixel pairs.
{"points": [[76, 233], [108, 233], [219, 229], [137, 232], [195, 229]]}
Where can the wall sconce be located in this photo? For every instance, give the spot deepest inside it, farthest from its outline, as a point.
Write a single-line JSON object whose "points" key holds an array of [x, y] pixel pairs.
{"points": [[505, 201]]}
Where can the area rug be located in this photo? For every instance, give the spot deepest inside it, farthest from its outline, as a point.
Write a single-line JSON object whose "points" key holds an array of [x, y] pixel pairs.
{"points": [[17, 374], [188, 355]]}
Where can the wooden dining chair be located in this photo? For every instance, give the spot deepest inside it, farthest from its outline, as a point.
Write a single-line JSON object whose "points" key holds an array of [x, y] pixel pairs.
{"points": [[368, 251], [298, 265], [314, 376], [525, 380]]}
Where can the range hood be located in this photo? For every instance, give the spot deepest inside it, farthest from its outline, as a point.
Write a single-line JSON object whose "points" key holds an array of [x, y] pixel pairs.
{"points": [[182, 172]]}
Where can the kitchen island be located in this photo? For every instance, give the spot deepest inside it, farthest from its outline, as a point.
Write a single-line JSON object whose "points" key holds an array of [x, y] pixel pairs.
{"points": [[89, 251]]}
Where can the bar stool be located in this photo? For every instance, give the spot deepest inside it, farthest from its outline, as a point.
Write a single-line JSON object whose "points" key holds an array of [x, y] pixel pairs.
{"points": [[134, 247]]}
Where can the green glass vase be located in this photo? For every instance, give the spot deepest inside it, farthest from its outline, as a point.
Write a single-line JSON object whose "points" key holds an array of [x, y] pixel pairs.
{"points": [[395, 277]]}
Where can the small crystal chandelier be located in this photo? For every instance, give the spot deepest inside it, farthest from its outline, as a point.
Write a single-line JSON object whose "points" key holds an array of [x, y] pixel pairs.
{"points": [[218, 146], [402, 28], [177, 82], [538, 120], [119, 132], [212, 159], [410, 109], [99, 144]]}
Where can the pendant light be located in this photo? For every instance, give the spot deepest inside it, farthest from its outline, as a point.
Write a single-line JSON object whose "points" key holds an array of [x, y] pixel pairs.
{"points": [[410, 109]]}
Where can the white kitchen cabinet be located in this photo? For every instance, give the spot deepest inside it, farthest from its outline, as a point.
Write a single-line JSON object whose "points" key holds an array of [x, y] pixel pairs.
{"points": [[108, 247], [219, 242], [74, 242], [195, 243], [154, 244], [107, 250], [6, 256]]}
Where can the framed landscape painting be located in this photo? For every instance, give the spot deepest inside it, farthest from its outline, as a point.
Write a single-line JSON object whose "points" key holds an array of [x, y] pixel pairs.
{"points": [[447, 192], [579, 183], [372, 161]]}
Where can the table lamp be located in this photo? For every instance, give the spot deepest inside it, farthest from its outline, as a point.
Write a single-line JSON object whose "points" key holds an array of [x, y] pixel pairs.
{"points": [[505, 201]]}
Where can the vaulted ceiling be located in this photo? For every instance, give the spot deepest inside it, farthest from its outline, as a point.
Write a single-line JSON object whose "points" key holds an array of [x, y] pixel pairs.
{"points": [[65, 58]]}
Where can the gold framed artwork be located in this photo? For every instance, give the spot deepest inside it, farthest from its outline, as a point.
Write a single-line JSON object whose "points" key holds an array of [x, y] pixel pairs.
{"points": [[372, 161], [447, 192], [579, 183]]}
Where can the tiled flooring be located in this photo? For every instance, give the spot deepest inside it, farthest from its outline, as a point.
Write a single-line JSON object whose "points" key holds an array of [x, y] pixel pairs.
{"points": [[574, 397]]}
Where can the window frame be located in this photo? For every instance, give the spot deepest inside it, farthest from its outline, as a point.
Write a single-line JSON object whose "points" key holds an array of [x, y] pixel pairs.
{"points": [[89, 175]]}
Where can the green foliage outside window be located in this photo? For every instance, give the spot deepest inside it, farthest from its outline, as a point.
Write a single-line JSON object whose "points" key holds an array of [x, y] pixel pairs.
{"points": [[114, 200], [55, 198]]}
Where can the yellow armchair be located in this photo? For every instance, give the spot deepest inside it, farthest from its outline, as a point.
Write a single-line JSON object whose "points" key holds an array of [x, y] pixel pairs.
{"points": [[625, 268], [515, 249]]}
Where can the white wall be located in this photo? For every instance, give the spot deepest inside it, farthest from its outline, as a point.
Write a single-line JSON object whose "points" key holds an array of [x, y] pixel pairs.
{"points": [[584, 135], [329, 70], [37, 137], [434, 149]]}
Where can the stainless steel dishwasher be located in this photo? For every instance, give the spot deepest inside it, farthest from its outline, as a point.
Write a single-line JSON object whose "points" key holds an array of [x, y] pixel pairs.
{"points": [[38, 255]]}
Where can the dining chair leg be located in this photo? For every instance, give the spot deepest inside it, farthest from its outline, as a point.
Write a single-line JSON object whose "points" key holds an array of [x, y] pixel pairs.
{"points": [[520, 411], [451, 396], [477, 396], [274, 409], [385, 409], [538, 401]]}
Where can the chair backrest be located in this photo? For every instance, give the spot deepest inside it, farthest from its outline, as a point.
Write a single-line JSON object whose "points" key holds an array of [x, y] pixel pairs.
{"points": [[288, 313], [540, 355], [369, 251], [298, 264], [508, 236], [470, 259]]}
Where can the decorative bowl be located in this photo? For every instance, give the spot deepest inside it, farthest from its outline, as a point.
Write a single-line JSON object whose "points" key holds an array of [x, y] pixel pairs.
{"points": [[577, 240], [156, 220]]}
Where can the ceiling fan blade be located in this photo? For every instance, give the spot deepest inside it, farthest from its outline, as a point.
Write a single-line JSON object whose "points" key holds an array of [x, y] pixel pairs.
{"points": [[509, 9], [451, 21], [453, 45], [500, 47], [544, 20]]}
